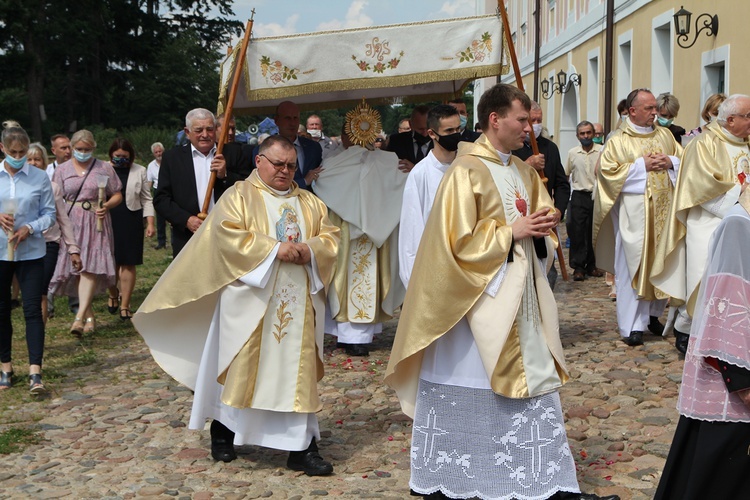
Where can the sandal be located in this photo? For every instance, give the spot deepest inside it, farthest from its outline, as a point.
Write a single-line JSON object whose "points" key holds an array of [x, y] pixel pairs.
{"points": [[6, 380], [127, 314], [113, 304], [35, 384], [90, 326], [77, 328]]}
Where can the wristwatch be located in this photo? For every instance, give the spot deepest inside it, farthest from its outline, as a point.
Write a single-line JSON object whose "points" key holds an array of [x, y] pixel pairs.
{"points": [[31, 229]]}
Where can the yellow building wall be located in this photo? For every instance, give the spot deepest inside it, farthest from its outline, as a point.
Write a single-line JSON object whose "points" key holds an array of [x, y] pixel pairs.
{"points": [[688, 78]]}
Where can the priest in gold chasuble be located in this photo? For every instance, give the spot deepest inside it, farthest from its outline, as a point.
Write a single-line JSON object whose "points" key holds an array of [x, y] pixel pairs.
{"points": [[713, 172], [637, 171], [477, 359], [238, 315], [362, 189]]}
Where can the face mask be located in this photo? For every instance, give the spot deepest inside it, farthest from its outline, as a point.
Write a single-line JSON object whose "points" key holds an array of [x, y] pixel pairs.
{"points": [[82, 157], [624, 117], [664, 122], [537, 129], [315, 134], [586, 142], [15, 164], [463, 122], [598, 140], [449, 142], [421, 139], [120, 162]]}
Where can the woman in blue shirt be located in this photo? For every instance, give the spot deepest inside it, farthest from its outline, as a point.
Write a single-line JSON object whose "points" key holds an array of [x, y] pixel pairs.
{"points": [[27, 207]]}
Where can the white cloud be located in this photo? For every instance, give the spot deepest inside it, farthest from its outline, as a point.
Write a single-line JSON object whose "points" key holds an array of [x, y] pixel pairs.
{"points": [[355, 18], [276, 29], [458, 8]]}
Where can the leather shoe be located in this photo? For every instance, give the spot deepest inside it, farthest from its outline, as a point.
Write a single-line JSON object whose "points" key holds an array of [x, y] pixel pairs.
{"points": [[222, 443], [309, 462], [654, 326], [159, 247], [357, 349], [635, 338], [595, 272], [681, 341], [578, 276]]}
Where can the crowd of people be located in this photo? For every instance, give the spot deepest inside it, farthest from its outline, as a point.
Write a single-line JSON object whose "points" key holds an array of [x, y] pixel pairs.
{"points": [[303, 234]]}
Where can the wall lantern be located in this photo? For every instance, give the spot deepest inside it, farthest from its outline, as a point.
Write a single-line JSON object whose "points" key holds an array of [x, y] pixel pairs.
{"points": [[561, 86], [682, 26]]}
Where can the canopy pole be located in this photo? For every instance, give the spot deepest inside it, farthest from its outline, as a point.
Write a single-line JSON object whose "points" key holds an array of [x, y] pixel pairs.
{"points": [[228, 112], [532, 137]]}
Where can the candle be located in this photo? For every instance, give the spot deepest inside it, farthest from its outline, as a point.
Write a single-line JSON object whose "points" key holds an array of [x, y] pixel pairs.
{"points": [[9, 207], [101, 182]]}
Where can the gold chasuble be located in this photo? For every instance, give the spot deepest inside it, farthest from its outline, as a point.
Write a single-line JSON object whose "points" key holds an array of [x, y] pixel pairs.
{"points": [[712, 164], [270, 347], [643, 217], [466, 241]]}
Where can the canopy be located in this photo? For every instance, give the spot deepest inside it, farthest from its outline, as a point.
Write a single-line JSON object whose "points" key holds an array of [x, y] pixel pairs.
{"points": [[422, 61]]}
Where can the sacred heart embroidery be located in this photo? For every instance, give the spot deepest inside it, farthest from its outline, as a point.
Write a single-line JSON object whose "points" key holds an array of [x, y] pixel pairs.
{"points": [[521, 205], [515, 199]]}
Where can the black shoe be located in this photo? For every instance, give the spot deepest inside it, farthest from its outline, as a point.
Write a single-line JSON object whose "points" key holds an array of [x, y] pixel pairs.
{"points": [[309, 461], [14, 303], [160, 246], [438, 495], [654, 326], [222, 443], [341, 345], [635, 338], [579, 275], [357, 349], [681, 341]]}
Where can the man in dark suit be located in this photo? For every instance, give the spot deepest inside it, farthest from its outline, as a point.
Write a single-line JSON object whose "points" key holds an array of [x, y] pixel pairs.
{"points": [[467, 135], [548, 160], [309, 152], [411, 147], [185, 171]]}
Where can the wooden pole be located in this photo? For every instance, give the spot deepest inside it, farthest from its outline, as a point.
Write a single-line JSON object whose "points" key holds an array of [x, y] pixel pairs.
{"points": [[532, 137], [228, 112]]}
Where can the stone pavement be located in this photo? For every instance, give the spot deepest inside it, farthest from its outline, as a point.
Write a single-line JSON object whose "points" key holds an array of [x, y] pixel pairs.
{"points": [[117, 429]]}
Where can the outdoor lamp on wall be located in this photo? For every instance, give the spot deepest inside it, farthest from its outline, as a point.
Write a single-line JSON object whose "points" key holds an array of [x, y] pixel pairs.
{"points": [[561, 86], [682, 26]]}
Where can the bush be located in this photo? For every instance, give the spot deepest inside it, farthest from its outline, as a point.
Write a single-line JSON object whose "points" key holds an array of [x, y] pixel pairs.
{"points": [[141, 137]]}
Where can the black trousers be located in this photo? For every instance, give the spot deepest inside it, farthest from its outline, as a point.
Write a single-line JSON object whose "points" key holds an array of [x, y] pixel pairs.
{"points": [[580, 226], [30, 275], [161, 228]]}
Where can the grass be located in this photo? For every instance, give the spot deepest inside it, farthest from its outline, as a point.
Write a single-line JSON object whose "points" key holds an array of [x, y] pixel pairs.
{"points": [[69, 363], [16, 439]]}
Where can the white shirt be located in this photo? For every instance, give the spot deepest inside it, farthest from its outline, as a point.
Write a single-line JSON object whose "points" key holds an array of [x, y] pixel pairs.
{"points": [[51, 169], [202, 168], [419, 195], [152, 174]]}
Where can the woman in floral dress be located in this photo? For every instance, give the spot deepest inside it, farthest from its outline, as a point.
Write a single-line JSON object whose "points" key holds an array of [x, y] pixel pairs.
{"points": [[79, 178]]}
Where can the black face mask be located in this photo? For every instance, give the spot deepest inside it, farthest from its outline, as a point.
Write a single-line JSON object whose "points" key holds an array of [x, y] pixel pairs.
{"points": [[420, 139], [449, 142]]}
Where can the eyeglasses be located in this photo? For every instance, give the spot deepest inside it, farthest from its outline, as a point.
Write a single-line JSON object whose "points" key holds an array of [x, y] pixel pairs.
{"points": [[379, 140], [280, 165], [746, 117]]}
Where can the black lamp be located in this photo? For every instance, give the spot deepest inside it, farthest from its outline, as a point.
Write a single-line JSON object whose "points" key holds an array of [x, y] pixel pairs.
{"points": [[682, 26]]}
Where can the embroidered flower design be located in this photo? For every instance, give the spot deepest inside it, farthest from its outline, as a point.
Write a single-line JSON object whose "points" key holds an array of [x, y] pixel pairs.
{"points": [[376, 51], [478, 50], [276, 71]]}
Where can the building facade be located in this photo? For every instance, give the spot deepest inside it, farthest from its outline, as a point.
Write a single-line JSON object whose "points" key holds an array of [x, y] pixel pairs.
{"points": [[646, 55]]}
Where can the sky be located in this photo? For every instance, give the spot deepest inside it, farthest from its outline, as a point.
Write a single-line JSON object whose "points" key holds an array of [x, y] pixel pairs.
{"points": [[283, 17]]}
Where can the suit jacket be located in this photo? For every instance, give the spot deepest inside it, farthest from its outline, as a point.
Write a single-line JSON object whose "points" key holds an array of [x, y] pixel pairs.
{"points": [[403, 145], [137, 192], [469, 135], [176, 198], [557, 182], [313, 158]]}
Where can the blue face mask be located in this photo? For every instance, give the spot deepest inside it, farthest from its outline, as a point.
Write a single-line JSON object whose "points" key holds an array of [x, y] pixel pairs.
{"points": [[82, 157], [15, 164], [463, 122], [664, 122]]}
